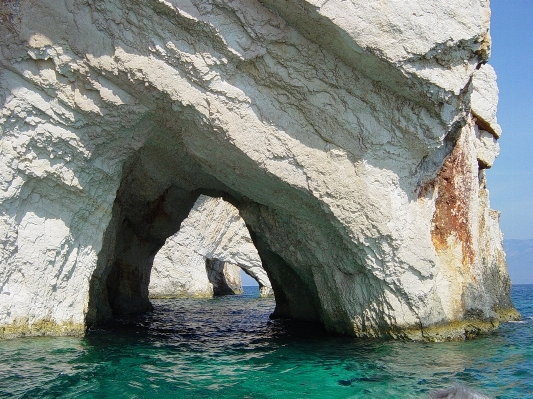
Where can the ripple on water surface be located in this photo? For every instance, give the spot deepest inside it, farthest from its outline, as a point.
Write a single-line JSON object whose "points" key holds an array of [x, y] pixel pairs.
{"points": [[228, 348]]}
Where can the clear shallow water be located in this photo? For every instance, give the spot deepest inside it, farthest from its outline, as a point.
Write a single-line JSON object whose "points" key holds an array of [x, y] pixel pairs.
{"points": [[228, 348]]}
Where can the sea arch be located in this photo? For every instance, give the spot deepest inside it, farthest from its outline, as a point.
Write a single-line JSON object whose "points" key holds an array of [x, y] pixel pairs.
{"points": [[205, 257], [354, 151], [155, 196]]}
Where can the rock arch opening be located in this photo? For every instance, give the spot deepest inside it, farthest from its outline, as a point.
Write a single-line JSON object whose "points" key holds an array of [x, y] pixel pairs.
{"points": [[161, 184], [205, 257], [224, 277]]}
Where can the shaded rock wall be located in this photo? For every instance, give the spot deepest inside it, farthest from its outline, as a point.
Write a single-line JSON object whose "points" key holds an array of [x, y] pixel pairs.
{"points": [[344, 132]]}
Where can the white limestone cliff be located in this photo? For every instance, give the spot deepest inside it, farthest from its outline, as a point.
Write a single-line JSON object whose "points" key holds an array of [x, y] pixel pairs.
{"points": [[213, 230], [351, 136]]}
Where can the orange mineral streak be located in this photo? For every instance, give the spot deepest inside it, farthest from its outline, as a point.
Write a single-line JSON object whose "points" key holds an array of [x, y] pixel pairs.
{"points": [[451, 217], [9, 10]]}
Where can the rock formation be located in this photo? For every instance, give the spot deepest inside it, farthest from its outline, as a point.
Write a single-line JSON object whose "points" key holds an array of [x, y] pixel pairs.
{"points": [[352, 137], [215, 233], [225, 277]]}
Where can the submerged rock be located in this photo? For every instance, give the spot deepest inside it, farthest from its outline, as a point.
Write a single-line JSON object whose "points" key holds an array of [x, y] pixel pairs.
{"points": [[456, 392], [351, 136]]}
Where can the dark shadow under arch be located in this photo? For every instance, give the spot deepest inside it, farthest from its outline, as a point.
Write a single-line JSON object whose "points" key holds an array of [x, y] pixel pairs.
{"points": [[159, 188]]}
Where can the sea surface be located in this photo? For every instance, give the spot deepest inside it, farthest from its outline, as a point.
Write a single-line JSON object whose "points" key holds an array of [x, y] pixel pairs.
{"points": [[228, 348]]}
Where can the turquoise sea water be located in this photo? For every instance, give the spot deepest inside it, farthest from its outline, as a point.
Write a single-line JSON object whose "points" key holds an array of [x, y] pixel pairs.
{"points": [[228, 348]]}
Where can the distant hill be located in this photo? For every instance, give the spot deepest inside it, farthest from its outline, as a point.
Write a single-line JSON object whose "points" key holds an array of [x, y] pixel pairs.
{"points": [[519, 255]]}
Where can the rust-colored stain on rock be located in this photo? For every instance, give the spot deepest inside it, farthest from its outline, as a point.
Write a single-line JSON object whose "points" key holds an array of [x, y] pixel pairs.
{"points": [[451, 215], [427, 189], [9, 10]]}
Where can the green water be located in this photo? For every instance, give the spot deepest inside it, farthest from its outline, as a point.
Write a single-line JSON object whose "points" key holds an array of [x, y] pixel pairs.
{"points": [[228, 348]]}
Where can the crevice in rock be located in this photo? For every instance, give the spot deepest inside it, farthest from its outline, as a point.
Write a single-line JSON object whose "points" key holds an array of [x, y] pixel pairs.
{"points": [[484, 125]]}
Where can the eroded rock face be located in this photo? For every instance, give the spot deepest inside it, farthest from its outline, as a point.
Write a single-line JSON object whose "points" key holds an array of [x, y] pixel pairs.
{"points": [[225, 277], [346, 133], [212, 232]]}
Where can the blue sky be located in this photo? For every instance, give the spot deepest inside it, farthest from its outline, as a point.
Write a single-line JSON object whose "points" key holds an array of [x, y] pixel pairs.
{"points": [[510, 180]]}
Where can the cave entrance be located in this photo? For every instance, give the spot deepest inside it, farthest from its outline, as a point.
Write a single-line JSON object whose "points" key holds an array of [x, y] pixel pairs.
{"points": [[206, 256], [224, 277], [161, 184]]}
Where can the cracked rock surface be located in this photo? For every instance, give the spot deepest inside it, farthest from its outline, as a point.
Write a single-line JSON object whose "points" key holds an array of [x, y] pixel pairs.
{"points": [[350, 135]]}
